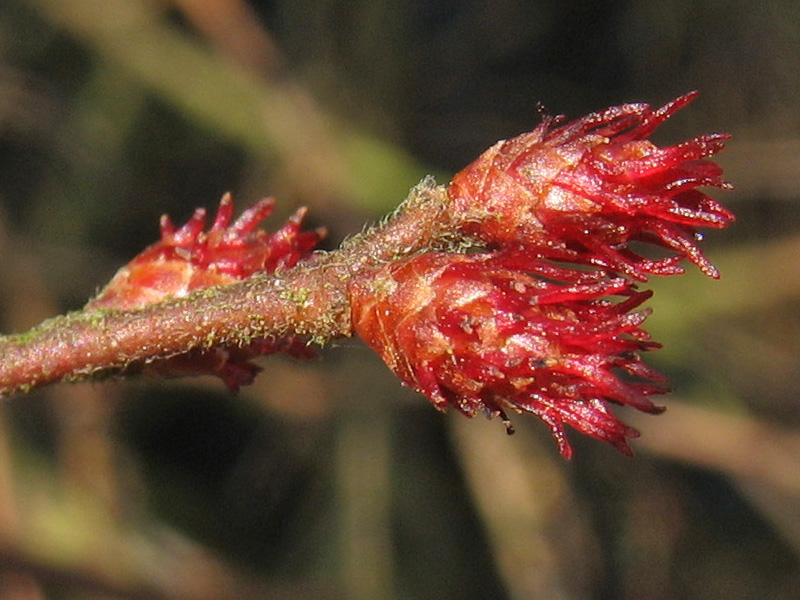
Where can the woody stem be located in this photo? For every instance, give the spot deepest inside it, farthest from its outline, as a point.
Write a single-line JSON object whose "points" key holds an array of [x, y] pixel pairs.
{"points": [[311, 300]]}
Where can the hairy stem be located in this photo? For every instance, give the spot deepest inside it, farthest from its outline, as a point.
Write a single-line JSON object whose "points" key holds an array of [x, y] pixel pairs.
{"points": [[310, 300]]}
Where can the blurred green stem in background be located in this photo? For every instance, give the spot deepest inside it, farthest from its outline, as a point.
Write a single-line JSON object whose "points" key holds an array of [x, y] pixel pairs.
{"points": [[275, 120]]}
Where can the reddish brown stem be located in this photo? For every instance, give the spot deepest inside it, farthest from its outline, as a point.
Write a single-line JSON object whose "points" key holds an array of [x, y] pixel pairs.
{"points": [[310, 300]]}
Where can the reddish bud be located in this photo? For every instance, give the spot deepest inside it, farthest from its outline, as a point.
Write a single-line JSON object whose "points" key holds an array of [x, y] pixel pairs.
{"points": [[475, 333], [190, 258], [581, 192]]}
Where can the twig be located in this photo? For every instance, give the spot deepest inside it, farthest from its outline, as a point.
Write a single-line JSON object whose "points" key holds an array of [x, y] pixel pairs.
{"points": [[310, 300]]}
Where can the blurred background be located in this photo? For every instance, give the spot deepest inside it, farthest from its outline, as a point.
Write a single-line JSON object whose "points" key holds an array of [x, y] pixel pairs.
{"points": [[327, 479]]}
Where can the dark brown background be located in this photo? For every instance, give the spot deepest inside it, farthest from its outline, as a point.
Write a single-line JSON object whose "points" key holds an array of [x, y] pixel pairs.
{"points": [[327, 479]]}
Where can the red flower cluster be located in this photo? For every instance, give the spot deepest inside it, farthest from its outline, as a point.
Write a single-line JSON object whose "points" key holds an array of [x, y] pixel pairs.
{"points": [[189, 258], [512, 328], [583, 191], [474, 332]]}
